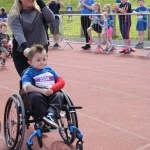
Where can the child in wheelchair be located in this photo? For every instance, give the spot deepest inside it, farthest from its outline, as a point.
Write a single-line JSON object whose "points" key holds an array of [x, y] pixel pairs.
{"points": [[43, 86], [4, 42]]}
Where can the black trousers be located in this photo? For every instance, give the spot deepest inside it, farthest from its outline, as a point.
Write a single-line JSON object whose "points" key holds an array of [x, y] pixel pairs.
{"points": [[20, 66], [43, 104], [85, 23]]}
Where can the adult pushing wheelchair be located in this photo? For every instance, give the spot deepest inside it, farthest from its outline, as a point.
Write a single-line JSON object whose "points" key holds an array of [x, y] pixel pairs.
{"points": [[18, 114]]}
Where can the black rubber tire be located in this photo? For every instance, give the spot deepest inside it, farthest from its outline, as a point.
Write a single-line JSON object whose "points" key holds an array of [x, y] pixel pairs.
{"points": [[63, 123], [39, 141], [79, 147], [14, 115]]}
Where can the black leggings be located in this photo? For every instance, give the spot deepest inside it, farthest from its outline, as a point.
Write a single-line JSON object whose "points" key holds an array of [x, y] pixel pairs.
{"points": [[21, 66], [43, 104], [85, 22]]}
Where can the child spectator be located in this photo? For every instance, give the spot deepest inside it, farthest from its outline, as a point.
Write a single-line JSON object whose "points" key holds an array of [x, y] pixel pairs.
{"points": [[124, 23], [43, 84], [4, 42], [96, 24], [54, 27], [1, 24], [108, 34], [87, 8], [3, 15], [69, 8], [141, 25]]}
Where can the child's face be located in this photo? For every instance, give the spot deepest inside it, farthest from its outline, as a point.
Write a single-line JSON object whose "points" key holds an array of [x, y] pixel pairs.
{"points": [[4, 29], [0, 12], [96, 7], [140, 3], [39, 60], [106, 9]]}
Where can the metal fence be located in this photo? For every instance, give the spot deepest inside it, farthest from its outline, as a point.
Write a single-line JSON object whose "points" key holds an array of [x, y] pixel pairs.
{"points": [[73, 33]]}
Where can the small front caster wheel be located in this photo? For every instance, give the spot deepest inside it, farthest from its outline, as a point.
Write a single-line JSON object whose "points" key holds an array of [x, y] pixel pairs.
{"points": [[79, 145]]}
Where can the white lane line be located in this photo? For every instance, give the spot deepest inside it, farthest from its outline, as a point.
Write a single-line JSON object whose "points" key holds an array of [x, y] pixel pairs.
{"points": [[8, 88], [115, 127], [86, 68], [144, 147], [89, 85], [104, 59]]}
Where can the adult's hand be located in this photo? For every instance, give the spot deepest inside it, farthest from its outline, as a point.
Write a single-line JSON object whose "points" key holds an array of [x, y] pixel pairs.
{"points": [[25, 52], [40, 3]]}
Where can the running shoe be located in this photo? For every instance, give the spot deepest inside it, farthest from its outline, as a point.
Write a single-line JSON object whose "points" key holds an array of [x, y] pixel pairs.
{"points": [[123, 50], [132, 49], [127, 51], [98, 48], [51, 121], [3, 62]]}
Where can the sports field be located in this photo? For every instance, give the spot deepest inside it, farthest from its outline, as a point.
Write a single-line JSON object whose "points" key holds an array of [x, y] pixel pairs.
{"points": [[113, 90]]}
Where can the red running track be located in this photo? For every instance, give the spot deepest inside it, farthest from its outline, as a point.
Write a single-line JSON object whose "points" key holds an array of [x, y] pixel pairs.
{"points": [[113, 90]]}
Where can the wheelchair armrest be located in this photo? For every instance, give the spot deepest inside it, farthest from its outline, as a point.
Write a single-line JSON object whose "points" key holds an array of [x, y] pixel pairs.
{"points": [[26, 99]]}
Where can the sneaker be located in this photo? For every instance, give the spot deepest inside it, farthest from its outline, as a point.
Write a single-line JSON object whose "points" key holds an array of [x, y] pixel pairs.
{"points": [[106, 49], [132, 49], [83, 47], [98, 48], [123, 50], [87, 47], [51, 121], [56, 45], [127, 51], [3, 62], [139, 45], [90, 41]]}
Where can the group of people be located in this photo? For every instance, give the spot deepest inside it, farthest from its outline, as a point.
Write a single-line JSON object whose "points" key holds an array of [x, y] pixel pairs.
{"points": [[97, 18], [4, 37]]}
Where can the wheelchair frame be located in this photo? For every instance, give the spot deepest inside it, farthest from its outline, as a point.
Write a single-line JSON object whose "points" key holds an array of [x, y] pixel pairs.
{"points": [[16, 116]]}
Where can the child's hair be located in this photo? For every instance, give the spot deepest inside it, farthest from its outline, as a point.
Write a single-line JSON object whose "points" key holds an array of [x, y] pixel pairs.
{"points": [[3, 10], [37, 48], [99, 7], [3, 24], [109, 7], [140, 0]]}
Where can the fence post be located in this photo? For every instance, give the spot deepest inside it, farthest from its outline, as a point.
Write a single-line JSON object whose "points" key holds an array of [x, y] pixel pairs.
{"points": [[148, 27], [114, 27]]}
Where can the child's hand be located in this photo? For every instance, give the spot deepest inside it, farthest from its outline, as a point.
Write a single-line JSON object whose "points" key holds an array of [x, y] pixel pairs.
{"points": [[49, 92], [46, 92]]}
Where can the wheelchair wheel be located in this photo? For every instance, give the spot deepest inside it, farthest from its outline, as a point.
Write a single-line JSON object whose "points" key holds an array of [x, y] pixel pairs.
{"points": [[14, 122], [65, 116]]}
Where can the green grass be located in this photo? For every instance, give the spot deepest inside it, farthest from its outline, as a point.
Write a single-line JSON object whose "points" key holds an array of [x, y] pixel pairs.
{"points": [[73, 28], [8, 3]]}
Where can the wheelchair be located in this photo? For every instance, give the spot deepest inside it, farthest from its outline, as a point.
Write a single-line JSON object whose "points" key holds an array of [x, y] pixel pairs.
{"points": [[18, 114], [9, 53]]}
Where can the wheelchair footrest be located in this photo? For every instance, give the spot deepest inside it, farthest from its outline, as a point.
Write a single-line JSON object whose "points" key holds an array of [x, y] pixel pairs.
{"points": [[75, 107]]}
